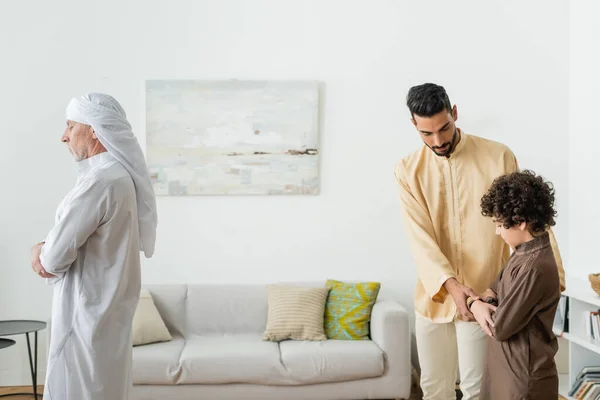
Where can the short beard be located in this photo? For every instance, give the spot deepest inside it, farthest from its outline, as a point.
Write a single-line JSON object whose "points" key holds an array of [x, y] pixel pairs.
{"points": [[450, 147]]}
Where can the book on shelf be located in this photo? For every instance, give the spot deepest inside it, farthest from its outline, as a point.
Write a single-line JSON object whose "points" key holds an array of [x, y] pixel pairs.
{"points": [[587, 384], [592, 325], [561, 318]]}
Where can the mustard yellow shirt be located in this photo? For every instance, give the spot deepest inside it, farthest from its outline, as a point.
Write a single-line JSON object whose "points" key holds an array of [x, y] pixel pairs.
{"points": [[441, 208]]}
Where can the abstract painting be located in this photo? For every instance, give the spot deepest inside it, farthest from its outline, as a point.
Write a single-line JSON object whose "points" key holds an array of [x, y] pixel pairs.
{"points": [[233, 137]]}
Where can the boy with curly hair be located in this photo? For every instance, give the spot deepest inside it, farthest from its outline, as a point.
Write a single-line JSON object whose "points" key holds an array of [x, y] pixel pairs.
{"points": [[518, 310]]}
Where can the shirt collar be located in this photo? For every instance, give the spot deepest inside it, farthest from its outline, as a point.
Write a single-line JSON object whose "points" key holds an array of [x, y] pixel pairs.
{"points": [[536, 244], [460, 145], [94, 161]]}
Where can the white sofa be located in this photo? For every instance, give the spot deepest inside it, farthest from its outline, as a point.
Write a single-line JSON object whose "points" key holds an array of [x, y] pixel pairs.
{"points": [[218, 352]]}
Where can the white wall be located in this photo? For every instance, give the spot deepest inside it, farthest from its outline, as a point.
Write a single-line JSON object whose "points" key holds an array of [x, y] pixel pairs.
{"points": [[584, 136], [503, 63]]}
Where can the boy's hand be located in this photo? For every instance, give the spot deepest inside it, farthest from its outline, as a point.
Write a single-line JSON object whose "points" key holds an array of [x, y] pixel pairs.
{"points": [[483, 315], [489, 293], [460, 294]]}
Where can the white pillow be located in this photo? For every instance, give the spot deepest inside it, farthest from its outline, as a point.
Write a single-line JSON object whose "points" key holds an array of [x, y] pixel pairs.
{"points": [[148, 325]]}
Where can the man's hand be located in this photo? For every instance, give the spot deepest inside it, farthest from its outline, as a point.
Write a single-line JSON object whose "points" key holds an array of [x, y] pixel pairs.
{"points": [[36, 264], [460, 294], [483, 315], [36, 251]]}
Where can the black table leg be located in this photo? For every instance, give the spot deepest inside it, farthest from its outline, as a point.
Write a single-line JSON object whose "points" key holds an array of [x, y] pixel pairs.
{"points": [[32, 368]]}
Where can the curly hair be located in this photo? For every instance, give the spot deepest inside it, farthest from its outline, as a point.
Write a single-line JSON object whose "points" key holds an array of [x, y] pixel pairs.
{"points": [[520, 197]]}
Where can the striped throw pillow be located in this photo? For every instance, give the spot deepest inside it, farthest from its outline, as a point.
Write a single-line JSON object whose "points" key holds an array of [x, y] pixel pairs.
{"points": [[295, 313]]}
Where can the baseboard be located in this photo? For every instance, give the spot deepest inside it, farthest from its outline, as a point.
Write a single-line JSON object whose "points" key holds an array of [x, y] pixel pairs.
{"points": [[21, 377]]}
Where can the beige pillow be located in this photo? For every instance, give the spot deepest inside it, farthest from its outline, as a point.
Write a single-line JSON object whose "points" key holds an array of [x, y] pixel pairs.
{"points": [[295, 313], [148, 326]]}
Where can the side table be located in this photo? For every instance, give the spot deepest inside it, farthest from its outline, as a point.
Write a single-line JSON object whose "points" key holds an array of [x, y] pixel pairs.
{"points": [[4, 343], [24, 327]]}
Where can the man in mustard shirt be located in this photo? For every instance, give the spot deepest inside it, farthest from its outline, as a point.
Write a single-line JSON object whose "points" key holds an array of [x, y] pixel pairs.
{"points": [[456, 250]]}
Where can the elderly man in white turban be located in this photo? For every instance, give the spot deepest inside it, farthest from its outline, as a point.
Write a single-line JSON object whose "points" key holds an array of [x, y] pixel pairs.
{"points": [[92, 255]]}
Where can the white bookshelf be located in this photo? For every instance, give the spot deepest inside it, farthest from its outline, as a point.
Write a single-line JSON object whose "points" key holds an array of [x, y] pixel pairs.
{"points": [[582, 350]]}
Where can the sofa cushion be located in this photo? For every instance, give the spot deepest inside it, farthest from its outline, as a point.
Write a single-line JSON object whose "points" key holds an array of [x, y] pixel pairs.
{"points": [[157, 363], [295, 313], [225, 309], [348, 309], [170, 301], [148, 325], [247, 358], [239, 358], [332, 360]]}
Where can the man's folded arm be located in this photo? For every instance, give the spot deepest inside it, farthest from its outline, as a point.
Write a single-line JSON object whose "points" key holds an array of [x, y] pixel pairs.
{"points": [[82, 216]]}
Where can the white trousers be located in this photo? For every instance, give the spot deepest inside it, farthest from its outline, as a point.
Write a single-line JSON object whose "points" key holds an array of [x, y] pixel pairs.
{"points": [[448, 349]]}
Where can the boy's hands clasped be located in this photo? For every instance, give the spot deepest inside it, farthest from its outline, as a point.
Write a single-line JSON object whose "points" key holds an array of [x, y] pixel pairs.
{"points": [[483, 315], [479, 310]]}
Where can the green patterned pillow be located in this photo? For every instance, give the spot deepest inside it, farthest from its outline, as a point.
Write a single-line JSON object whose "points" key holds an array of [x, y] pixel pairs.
{"points": [[348, 309]]}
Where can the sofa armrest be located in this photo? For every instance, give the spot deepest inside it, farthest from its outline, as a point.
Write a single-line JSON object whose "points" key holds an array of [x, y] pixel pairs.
{"points": [[390, 330]]}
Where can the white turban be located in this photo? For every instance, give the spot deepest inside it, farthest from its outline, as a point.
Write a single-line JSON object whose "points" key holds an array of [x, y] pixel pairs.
{"points": [[108, 119]]}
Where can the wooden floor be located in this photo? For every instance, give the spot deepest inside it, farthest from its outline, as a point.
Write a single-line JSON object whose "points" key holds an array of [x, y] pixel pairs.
{"points": [[416, 395], [20, 389]]}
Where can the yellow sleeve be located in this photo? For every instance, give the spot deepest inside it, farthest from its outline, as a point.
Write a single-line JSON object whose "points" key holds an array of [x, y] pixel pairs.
{"points": [[433, 267], [514, 165], [559, 262]]}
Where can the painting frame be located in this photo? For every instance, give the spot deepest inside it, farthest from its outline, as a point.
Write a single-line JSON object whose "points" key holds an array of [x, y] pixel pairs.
{"points": [[233, 137]]}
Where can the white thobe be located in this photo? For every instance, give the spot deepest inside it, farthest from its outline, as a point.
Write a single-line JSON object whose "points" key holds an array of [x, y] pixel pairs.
{"points": [[94, 251]]}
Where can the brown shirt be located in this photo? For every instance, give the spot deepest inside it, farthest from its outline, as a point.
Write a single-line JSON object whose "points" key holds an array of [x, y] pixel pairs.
{"points": [[520, 362]]}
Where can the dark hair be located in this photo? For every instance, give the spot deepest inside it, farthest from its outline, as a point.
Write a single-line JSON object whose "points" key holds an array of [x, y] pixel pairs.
{"points": [[427, 99], [520, 197]]}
